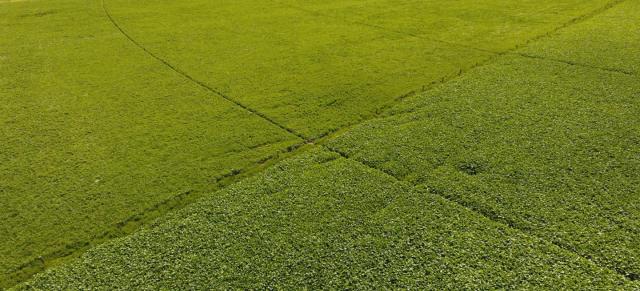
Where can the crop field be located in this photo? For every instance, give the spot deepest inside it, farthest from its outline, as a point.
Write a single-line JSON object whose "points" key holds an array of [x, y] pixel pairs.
{"points": [[351, 144]]}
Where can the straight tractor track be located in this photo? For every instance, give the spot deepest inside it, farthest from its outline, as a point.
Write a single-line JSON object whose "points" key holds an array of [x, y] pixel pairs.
{"points": [[29, 269], [495, 217], [511, 51], [196, 81], [495, 55]]}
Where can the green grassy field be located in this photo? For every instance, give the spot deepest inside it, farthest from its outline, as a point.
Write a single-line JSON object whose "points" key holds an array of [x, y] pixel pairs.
{"points": [[545, 147], [380, 144], [608, 41], [322, 221], [94, 133]]}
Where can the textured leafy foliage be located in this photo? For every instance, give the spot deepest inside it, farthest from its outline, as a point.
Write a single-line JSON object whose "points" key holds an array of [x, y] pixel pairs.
{"points": [[93, 131], [321, 221], [610, 40], [97, 137], [550, 148]]}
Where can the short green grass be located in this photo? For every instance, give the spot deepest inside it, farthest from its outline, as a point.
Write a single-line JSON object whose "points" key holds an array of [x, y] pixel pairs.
{"points": [[550, 148], [320, 221], [311, 74]]}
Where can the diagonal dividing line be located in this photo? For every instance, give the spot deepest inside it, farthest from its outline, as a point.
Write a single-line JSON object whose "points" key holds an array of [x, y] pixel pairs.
{"points": [[196, 81], [295, 149], [511, 51], [328, 136], [488, 214]]}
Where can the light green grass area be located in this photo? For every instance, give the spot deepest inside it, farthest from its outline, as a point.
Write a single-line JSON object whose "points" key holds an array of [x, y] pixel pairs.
{"points": [[549, 148], [610, 40], [320, 221], [93, 132], [312, 74], [496, 25], [316, 73]]}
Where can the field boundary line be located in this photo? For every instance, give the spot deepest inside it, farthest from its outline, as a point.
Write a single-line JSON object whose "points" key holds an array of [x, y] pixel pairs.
{"points": [[490, 215], [146, 217], [497, 55], [576, 20], [512, 50], [576, 64], [196, 81], [320, 140], [132, 223], [484, 212]]}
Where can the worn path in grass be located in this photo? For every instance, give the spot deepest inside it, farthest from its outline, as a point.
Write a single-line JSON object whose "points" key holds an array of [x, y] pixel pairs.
{"points": [[321, 221]]}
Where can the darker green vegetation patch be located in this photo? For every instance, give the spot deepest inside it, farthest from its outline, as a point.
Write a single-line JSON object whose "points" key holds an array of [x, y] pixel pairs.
{"points": [[321, 221], [550, 148]]}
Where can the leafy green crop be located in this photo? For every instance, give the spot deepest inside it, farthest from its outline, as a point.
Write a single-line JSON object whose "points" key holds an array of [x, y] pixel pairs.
{"points": [[93, 132], [549, 148], [610, 40], [495, 25], [310, 73], [311, 68], [320, 221], [108, 121]]}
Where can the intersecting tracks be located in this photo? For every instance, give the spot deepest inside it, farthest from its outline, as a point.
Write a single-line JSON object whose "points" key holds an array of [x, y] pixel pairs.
{"points": [[512, 51], [321, 140]]}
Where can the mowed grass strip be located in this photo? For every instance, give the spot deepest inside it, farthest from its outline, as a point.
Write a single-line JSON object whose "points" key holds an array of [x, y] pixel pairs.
{"points": [[495, 25], [93, 131], [610, 40], [320, 221], [312, 74], [549, 148]]}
